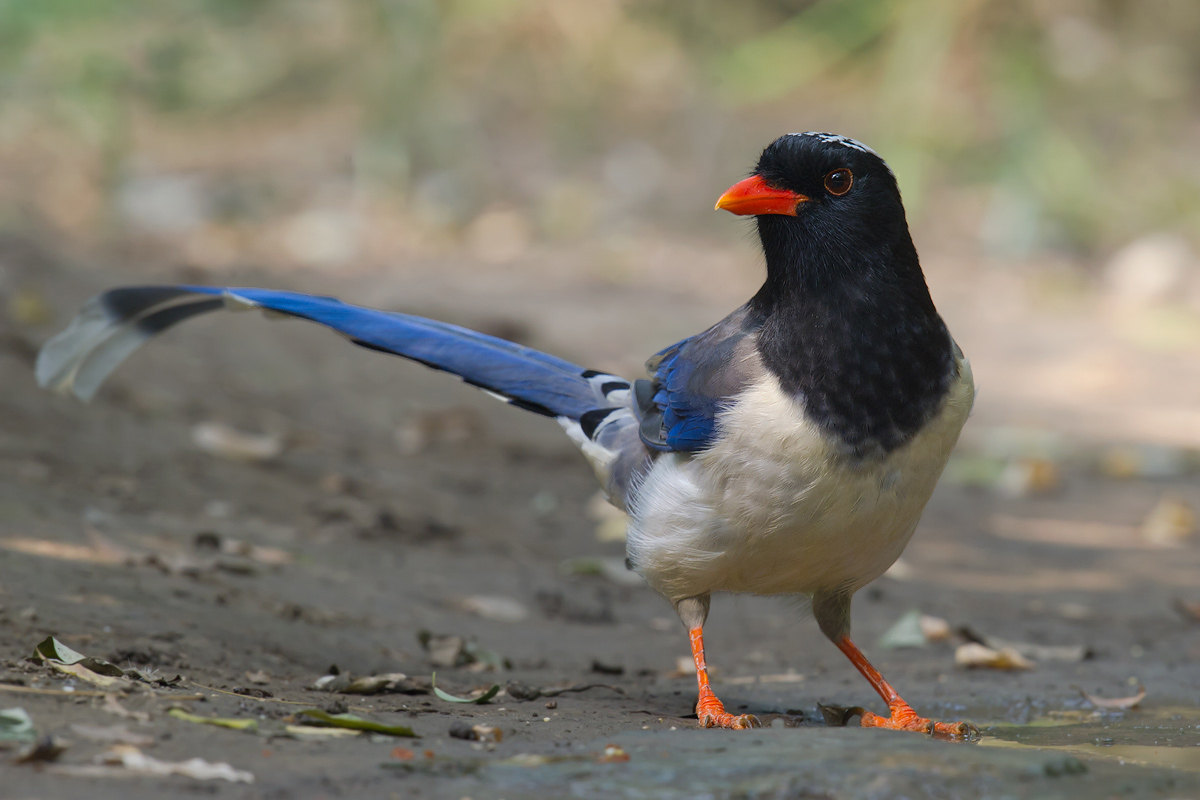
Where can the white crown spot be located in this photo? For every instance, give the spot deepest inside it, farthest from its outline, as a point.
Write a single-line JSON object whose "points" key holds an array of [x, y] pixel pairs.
{"points": [[844, 141], [836, 138]]}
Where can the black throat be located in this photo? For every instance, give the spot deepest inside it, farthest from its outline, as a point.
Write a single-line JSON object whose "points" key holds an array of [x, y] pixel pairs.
{"points": [[850, 330]]}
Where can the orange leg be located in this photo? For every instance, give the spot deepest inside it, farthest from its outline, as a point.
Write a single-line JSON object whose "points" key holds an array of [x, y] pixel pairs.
{"points": [[709, 709], [902, 718]]}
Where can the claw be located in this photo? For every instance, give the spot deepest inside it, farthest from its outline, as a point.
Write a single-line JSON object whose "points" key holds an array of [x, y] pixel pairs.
{"points": [[903, 718], [712, 714], [739, 722]]}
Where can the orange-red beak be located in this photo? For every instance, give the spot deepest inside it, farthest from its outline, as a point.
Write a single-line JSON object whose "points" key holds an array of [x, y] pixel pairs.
{"points": [[754, 196]]}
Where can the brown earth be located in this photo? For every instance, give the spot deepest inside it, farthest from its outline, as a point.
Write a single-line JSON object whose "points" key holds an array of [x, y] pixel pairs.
{"points": [[108, 514]]}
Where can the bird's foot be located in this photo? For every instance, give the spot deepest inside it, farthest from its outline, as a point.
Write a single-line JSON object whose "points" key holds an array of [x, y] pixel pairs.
{"points": [[903, 718], [712, 714]]}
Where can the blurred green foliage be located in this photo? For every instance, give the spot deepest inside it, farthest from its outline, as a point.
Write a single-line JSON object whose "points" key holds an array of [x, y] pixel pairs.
{"points": [[1074, 122]]}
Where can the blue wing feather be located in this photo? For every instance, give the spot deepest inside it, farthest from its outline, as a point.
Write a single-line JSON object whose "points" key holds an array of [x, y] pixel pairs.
{"points": [[693, 380]]}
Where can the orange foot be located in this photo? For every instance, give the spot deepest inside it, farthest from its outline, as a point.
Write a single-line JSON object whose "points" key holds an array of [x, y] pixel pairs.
{"points": [[712, 714], [903, 718]]}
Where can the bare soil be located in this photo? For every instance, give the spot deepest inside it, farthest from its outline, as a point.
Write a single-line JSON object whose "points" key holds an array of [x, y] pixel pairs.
{"points": [[108, 514]]}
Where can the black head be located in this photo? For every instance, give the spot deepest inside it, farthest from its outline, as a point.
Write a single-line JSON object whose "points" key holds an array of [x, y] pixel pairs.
{"points": [[827, 208]]}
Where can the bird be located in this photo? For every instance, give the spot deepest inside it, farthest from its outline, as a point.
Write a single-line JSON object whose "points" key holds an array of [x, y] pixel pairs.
{"points": [[790, 449]]}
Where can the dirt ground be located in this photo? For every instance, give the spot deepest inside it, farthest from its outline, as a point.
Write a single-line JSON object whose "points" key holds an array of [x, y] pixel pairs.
{"points": [[383, 518]]}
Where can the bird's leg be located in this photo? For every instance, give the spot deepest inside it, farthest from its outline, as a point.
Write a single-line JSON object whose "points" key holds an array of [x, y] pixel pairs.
{"points": [[902, 718], [709, 710], [693, 611]]}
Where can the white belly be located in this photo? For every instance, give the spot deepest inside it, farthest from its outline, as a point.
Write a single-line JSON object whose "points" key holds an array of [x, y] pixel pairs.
{"points": [[772, 509]]}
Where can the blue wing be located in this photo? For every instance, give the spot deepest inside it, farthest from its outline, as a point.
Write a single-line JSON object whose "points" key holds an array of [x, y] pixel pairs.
{"points": [[693, 380], [114, 324]]}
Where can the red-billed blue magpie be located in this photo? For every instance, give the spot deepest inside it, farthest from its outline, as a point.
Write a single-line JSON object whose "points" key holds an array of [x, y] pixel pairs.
{"points": [[787, 450]]}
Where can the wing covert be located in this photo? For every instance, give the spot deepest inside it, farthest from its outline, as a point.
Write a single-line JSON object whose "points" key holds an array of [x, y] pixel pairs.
{"points": [[692, 382]]}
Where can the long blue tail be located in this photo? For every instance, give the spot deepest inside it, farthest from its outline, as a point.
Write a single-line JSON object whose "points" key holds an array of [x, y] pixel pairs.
{"points": [[114, 324]]}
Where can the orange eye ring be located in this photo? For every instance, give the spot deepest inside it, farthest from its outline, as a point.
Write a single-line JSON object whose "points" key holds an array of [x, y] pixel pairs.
{"points": [[839, 181]]}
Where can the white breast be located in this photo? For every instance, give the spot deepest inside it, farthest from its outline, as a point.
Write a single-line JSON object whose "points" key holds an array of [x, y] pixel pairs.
{"points": [[772, 508]]}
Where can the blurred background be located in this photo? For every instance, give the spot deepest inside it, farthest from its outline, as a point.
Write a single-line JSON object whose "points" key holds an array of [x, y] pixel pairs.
{"points": [[325, 133], [554, 164], [545, 170]]}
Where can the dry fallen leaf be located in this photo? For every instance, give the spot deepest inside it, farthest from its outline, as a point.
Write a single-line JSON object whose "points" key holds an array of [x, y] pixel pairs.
{"points": [[1190, 611], [1074, 611], [1023, 477], [613, 754], [611, 522], [935, 629], [112, 734], [790, 676], [16, 725], [481, 697], [905, 632], [520, 691], [901, 570], [453, 426], [388, 683], [258, 677], [134, 760], [323, 719], [329, 733], [44, 548], [611, 568], [476, 733], [113, 706], [973, 654], [1169, 523], [222, 441], [685, 666], [495, 608], [839, 716], [28, 306], [85, 674], [45, 750], [1036, 652], [1143, 461], [455, 651], [272, 556], [220, 722], [446, 651], [1117, 703]]}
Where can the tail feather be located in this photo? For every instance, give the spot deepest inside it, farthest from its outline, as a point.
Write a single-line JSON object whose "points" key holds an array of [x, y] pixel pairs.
{"points": [[595, 409], [112, 325]]}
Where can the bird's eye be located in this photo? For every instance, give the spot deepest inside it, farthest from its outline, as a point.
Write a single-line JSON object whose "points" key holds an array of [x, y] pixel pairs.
{"points": [[838, 182]]}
